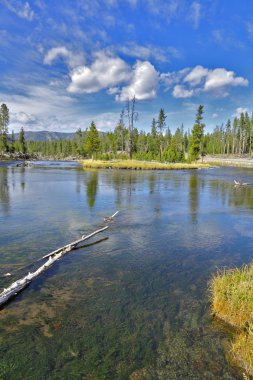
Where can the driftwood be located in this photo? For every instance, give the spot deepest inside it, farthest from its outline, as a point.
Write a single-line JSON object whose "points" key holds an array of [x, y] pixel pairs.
{"points": [[110, 218], [69, 247], [22, 283], [239, 183]]}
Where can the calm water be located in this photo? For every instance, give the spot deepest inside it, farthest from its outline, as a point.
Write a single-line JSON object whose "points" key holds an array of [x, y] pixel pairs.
{"points": [[135, 304]]}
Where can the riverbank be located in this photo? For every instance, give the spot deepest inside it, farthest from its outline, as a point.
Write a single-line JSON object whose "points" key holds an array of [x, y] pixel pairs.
{"points": [[17, 156], [232, 301], [222, 160], [140, 165], [215, 160]]}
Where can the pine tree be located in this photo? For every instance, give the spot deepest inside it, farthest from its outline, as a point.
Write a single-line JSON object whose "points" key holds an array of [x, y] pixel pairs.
{"points": [[4, 121], [241, 132], [196, 143], [131, 115], [250, 135], [79, 142], [228, 136], [234, 140], [92, 143], [120, 133], [161, 124], [21, 141], [12, 146], [154, 140]]}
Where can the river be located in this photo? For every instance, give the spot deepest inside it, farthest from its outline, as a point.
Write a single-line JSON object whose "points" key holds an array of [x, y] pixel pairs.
{"points": [[135, 304]]}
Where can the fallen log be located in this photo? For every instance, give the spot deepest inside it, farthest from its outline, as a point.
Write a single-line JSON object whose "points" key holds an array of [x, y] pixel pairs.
{"points": [[72, 245], [17, 286], [239, 183]]}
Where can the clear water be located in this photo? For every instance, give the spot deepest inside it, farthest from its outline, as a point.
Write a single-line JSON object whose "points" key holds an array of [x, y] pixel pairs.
{"points": [[135, 305]]}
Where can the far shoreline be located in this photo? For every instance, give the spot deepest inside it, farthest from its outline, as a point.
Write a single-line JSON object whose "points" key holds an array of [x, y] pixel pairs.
{"points": [[233, 161], [207, 162]]}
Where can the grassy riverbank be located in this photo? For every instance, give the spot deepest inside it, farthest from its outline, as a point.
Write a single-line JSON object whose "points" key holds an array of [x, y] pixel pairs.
{"points": [[232, 301], [139, 165]]}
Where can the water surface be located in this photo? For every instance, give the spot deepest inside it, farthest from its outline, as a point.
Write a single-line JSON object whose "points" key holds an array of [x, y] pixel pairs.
{"points": [[135, 304]]}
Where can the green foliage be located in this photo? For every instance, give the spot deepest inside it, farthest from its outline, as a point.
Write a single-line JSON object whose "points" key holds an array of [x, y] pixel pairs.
{"points": [[12, 143], [92, 143], [161, 124], [4, 121], [175, 152], [4, 118], [196, 146], [21, 141], [157, 144]]}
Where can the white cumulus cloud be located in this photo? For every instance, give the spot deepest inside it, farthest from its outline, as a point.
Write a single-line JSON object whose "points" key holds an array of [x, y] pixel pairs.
{"points": [[71, 58], [105, 72], [143, 85], [172, 78], [220, 78], [181, 92], [196, 75], [192, 82], [240, 110], [111, 73], [23, 118], [106, 120]]}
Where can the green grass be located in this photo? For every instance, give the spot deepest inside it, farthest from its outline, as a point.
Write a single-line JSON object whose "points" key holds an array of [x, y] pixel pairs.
{"points": [[232, 301], [139, 165]]}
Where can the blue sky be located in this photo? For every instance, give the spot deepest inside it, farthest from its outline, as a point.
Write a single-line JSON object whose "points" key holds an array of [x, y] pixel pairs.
{"points": [[65, 63]]}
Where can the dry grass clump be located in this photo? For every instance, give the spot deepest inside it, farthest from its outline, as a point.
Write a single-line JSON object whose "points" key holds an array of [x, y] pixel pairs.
{"points": [[139, 165], [232, 296], [242, 351], [232, 301]]}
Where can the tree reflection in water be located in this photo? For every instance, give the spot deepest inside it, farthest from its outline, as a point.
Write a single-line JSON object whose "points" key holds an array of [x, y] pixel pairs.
{"points": [[4, 190], [91, 188]]}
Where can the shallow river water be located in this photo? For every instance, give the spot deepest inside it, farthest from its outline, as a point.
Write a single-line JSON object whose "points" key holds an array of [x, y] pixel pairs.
{"points": [[134, 305]]}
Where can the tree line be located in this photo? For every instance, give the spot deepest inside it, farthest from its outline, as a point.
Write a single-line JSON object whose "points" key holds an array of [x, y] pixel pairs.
{"points": [[126, 141]]}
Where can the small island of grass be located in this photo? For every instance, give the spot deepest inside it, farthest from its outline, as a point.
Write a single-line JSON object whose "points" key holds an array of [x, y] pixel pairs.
{"points": [[140, 165], [232, 301]]}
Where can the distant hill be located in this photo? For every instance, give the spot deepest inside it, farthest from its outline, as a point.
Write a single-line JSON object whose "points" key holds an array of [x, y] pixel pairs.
{"points": [[46, 136]]}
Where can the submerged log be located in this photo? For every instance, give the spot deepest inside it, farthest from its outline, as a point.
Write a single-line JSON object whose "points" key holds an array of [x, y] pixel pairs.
{"points": [[53, 256]]}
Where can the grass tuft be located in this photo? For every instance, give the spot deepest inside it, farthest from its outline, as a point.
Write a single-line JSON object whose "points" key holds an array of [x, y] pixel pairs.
{"points": [[242, 352], [139, 165], [232, 301]]}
